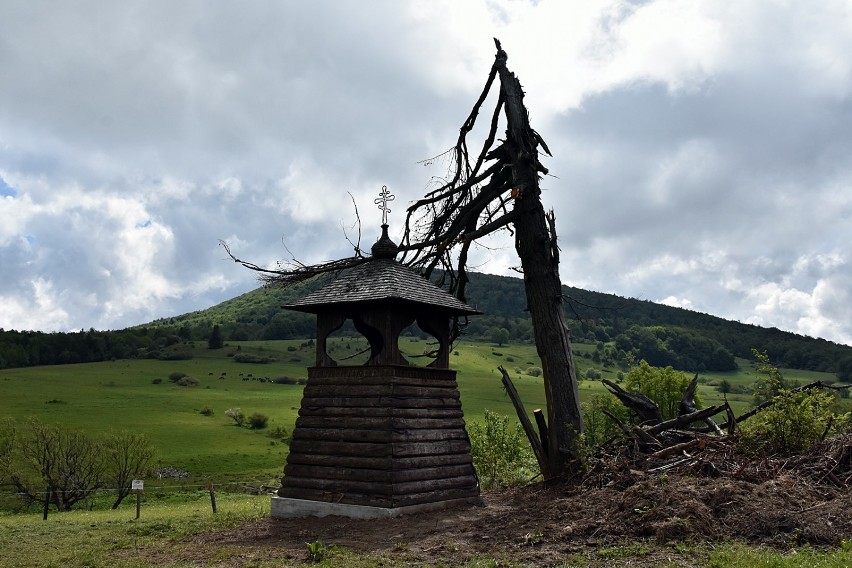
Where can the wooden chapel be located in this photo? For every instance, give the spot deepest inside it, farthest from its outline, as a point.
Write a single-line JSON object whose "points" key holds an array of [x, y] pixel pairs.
{"points": [[386, 437]]}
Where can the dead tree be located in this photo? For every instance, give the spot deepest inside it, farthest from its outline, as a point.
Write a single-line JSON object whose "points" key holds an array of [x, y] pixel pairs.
{"points": [[498, 189]]}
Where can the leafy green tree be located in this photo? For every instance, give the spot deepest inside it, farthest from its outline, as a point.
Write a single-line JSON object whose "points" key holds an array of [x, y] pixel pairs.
{"points": [[215, 340], [499, 335], [665, 386], [844, 370]]}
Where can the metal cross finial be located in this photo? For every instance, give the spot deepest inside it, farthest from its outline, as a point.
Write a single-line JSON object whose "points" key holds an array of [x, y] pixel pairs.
{"points": [[382, 202]]}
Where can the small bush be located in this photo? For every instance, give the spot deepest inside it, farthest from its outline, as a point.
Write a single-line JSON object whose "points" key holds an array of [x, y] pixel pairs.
{"points": [[156, 381], [187, 382], [176, 376], [236, 415], [793, 424], [597, 426], [207, 411], [592, 375], [175, 355], [501, 453], [258, 421], [279, 433], [533, 371], [249, 358], [285, 381]]}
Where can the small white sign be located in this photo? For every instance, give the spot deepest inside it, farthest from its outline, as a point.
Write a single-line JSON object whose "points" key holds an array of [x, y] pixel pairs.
{"points": [[137, 485]]}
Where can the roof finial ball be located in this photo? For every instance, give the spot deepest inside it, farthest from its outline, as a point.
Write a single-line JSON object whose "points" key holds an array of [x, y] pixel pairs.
{"points": [[384, 247]]}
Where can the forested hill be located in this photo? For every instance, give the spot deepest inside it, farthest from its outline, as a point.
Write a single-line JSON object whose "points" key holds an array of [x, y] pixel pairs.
{"points": [[627, 328]]}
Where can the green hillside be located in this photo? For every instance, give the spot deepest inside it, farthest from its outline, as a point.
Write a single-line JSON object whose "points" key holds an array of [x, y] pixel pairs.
{"points": [[624, 330], [663, 335]]}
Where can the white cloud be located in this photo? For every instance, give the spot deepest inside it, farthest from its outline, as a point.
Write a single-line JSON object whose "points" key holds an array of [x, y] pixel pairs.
{"points": [[700, 148]]}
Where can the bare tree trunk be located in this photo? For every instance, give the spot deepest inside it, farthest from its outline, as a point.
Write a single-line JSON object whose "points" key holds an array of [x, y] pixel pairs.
{"points": [[536, 246]]}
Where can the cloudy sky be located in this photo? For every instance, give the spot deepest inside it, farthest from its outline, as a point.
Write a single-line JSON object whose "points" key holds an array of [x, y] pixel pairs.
{"points": [[702, 150]]}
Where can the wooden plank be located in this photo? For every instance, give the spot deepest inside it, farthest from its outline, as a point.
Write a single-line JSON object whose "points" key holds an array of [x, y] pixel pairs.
{"points": [[378, 436], [384, 463], [347, 486], [406, 450], [393, 423], [382, 371], [379, 476], [435, 496], [350, 498], [426, 485], [446, 472], [441, 382], [315, 391], [294, 470], [354, 422], [341, 448], [366, 462], [380, 402], [338, 486], [380, 412]]}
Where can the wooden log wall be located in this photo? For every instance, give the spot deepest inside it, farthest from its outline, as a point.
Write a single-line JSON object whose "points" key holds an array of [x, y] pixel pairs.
{"points": [[381, 436]]}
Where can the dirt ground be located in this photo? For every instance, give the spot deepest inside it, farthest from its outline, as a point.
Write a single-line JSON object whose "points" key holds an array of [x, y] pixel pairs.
{"points": [[709, 496]]}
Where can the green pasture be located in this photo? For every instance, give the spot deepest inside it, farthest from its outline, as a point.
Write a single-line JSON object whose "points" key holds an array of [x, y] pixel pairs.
{"points": [[121, 395]]}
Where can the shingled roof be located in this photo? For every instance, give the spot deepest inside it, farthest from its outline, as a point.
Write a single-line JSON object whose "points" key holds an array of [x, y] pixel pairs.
{"points": [[381, 279]]}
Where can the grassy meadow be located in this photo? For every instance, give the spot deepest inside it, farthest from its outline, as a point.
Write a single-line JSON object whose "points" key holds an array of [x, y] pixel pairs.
{"points": [[137, 395]]}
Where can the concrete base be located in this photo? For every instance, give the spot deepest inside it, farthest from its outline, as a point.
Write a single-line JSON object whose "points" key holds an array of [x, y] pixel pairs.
{"points": [[284, 508]]}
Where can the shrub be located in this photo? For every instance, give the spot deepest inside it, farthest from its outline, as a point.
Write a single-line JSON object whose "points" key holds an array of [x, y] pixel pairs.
{"points": [[592, 374], [156, 381], [793, 424], [533, 371], [175, 355], [207, 411], [285, 381], [795, 421], [258, 421], [501, 453], [770, 382], [249, 358], [236, 415], [176, 376], [597, 426], [279, 433], [187, 382]]}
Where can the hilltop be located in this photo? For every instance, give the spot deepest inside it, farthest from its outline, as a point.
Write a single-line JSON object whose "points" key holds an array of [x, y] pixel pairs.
{"points": [[663, 335], [624, 331]]}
